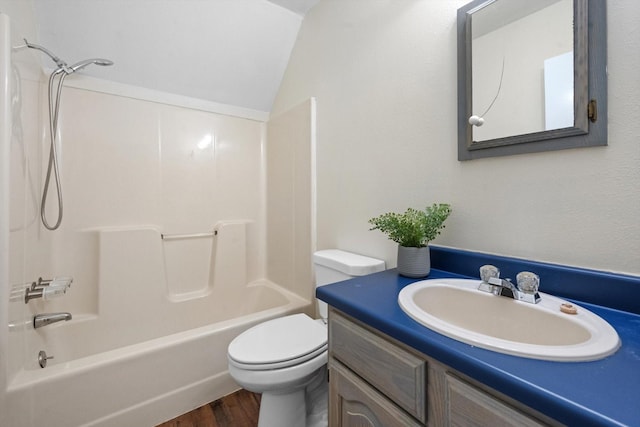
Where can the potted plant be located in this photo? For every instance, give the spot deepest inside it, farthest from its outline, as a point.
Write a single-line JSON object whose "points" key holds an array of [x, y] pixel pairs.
{"points": [[412, 231]]}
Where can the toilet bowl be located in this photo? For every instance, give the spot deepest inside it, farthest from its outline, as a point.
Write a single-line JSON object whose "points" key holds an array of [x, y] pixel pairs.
{"points": [[285, 359], [280, 358]]}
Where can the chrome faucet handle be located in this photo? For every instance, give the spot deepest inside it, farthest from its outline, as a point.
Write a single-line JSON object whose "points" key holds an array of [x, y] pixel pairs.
{"points": [[47, 288], [528, 282], [62, 282], [56, 281], [488, 271]]}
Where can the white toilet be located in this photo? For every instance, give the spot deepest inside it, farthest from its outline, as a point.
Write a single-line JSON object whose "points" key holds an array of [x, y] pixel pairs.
{"points": [[285, 359]]}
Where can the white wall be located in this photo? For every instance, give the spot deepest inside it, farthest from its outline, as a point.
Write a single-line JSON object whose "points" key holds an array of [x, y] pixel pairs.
{"points": [[384, 75]]}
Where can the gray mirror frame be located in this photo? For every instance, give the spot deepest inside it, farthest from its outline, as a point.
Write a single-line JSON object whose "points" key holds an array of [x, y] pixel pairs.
{"points": [[590, 90]]}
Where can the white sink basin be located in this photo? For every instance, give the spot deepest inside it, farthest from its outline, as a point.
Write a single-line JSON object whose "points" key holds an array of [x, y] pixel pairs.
{"points": [[457, 309]]}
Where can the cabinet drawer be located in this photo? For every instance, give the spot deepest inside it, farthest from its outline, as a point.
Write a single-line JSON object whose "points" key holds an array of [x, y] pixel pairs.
{"points": [[355, 403], [469, 406], [394, 371]]}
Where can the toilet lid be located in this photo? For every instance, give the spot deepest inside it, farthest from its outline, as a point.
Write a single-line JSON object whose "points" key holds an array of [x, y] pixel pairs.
{"points": [[279, 340]]}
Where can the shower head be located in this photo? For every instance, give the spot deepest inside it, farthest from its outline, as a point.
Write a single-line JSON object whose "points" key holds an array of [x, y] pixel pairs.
{"points": [[62, 66], [80, 65]]}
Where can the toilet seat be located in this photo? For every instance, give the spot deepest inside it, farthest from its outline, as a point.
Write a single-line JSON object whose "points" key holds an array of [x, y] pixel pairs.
{"points": [[279, 343]]}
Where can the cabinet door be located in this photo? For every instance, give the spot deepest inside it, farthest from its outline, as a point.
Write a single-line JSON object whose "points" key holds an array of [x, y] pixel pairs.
{"points": [[472, 407], [353, 403], [395, 372]]}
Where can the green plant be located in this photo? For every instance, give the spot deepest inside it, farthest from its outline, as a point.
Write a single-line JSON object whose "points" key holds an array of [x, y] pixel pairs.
{"points": [[413, 228]]}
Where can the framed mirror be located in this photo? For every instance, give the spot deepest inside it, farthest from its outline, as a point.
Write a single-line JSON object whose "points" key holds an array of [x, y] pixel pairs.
{"points": [[531, 76]]}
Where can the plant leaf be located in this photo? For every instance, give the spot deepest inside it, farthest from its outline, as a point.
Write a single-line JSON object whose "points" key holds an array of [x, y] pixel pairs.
{"points": [[413, 228]]}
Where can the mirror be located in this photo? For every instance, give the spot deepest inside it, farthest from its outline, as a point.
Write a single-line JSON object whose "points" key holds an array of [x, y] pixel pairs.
{"points": [[531, 76], [541, 74]]}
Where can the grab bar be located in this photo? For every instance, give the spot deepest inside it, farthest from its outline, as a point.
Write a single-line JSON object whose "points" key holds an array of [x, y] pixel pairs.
{"points": [[188, 236]]}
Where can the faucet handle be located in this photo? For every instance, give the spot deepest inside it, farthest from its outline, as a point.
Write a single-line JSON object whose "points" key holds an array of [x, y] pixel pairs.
{"points": [[489, 271], [55, 282], [53, 292], [61, 282], [528, 282], [47, 288]]}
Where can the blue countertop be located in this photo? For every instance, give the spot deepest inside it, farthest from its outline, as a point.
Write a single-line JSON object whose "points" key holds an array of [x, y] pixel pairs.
{"points": [[605, 392]]}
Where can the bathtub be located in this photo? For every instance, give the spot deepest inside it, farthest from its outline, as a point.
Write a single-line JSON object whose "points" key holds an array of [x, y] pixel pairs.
{"points": [[152, 319], [140, 384]]}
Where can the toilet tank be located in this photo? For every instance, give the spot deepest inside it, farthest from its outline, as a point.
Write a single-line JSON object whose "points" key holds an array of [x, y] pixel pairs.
{"points": [[335, 265]]}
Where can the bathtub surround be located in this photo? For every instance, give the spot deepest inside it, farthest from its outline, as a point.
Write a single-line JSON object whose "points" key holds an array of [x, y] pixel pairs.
{"points": [[153, 180], [291, 201]]}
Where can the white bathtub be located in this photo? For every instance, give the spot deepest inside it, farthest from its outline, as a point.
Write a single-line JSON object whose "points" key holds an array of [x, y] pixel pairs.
{"points": [[152, 319], [140, 384]]}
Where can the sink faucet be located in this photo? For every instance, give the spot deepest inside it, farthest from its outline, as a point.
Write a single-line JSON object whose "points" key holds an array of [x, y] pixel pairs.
{"points": [[503, 287], [40, 320], [527, 289]]}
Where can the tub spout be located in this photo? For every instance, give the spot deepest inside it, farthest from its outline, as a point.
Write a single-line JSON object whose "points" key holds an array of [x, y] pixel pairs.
{"points": [[40, 320]]}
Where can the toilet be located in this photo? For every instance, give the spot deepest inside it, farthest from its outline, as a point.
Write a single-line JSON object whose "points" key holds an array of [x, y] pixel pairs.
{"points": [[285, 359]]}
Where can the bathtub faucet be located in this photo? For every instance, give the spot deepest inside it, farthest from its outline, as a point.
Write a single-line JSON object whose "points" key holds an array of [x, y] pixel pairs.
{"points": [[40, 320]]}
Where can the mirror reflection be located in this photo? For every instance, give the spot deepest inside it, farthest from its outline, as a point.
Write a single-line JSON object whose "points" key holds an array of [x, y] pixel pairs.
{"points": [[522, 67], [507, 101]]}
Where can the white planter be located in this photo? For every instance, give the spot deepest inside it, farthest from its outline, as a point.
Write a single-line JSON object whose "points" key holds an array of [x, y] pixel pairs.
{"points": [[414, 262]]}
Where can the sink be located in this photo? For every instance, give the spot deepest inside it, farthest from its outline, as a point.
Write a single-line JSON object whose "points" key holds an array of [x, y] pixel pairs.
{"points": [[457, 309]]}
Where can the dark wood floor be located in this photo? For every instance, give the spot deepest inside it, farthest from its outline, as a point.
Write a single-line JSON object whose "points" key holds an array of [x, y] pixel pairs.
{"points": [[239, 409]]}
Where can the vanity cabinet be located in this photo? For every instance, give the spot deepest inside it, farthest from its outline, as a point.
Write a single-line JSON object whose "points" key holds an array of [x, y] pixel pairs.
{"points": [[375, 380]]}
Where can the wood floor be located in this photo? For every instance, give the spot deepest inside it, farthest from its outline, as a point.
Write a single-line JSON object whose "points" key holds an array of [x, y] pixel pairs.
{"points": [[239, 409]]}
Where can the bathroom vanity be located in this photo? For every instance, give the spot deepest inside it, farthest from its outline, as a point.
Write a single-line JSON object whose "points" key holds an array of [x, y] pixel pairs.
{"points": [[387, 369], [375, 380]]}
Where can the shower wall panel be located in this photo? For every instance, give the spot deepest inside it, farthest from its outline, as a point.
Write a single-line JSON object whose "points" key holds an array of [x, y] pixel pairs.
{"points": [[128, 163], [291, 229]]}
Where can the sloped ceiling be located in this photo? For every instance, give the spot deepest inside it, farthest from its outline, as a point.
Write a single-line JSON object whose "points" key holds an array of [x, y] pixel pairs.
{"points": [[232, 52]]}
